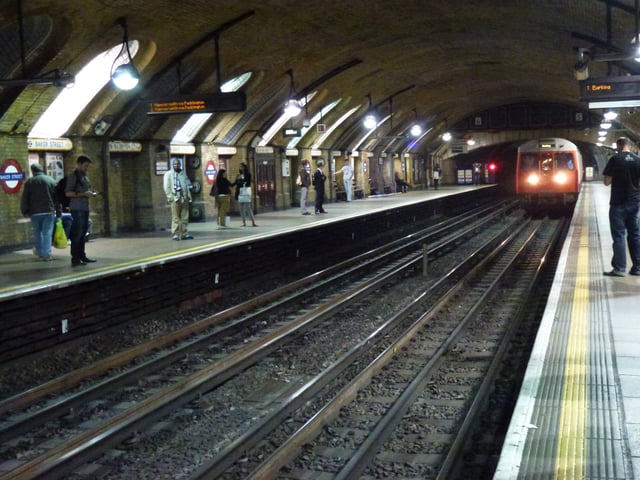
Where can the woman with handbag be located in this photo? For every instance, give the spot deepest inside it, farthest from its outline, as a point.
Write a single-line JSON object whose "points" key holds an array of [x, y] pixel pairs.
{"points": [[243, 194]]}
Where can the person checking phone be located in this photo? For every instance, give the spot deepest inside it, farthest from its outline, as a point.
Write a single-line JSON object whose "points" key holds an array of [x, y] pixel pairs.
{"points": [[79, 192]]}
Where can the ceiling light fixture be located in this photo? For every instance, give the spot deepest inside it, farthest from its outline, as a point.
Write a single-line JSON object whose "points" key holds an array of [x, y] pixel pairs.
{"points": [[605, 125], [610, 115], [125, 76], [416, 129], [370, 120], [446, 136], [581, 68], [292, 106]]}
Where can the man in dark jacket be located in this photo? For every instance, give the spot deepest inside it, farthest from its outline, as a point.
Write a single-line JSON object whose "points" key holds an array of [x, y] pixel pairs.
{"points": [[38, 204], [622, 172]]}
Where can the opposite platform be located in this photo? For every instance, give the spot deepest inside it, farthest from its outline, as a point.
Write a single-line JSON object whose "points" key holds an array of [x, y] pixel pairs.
{"points": [[20, 271], [578, 412]]}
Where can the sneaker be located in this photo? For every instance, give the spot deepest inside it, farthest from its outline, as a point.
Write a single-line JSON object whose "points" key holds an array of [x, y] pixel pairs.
{"points": [[48, 259], [176, 238], [634, 271], [614, 273], [187, 237]]}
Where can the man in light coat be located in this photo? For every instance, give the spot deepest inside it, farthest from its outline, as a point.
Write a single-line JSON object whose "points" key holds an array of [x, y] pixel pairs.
{"points": [[178, 192]]}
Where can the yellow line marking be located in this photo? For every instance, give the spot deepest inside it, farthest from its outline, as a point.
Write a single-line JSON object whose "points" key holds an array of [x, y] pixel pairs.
{"points": [[570, 459]]}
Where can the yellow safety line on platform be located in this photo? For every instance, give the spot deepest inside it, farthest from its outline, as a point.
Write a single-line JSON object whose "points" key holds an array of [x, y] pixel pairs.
{"points": [[570, 460]]}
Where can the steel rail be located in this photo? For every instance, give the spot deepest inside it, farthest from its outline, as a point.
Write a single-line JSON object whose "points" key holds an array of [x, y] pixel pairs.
{"points": [[313, 427], [120, 359], [216, 466], [452, 459], [89, 444]]}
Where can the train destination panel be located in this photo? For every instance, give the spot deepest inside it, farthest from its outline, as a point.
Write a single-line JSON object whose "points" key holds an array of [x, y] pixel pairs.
{"points": [[205, 103], [611, 88]]}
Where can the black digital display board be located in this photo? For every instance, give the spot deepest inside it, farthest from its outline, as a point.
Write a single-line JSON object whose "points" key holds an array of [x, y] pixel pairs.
{"points": [[610, 88], [204, 103]]}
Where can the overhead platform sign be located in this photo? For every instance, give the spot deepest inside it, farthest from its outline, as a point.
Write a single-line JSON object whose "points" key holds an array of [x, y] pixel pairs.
{"points": [[611, 92], [204, 103]]}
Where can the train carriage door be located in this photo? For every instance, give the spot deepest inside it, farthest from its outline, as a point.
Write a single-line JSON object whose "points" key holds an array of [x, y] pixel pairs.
{"points": [[265, 179]]}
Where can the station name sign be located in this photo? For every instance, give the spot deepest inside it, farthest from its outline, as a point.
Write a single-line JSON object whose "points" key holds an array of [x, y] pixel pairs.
{"points": [[610, 88], [204, 103], [63, 144]]}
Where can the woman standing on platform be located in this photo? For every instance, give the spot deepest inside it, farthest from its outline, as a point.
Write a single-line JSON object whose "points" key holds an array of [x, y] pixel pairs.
{"points": [[318, 182], [223, 197], [243, 181]]}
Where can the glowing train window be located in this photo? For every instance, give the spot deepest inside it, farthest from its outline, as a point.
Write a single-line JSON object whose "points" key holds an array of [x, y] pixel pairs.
{"points": [[529, 162], [70, 102], [565, 160]]}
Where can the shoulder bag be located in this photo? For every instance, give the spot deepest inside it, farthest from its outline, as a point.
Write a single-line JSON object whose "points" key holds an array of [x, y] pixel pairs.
{"points": [[245, 195]]}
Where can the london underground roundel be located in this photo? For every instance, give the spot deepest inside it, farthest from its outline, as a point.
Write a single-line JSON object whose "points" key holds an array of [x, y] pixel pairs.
{"points": [[210, 172], [11, 176]]}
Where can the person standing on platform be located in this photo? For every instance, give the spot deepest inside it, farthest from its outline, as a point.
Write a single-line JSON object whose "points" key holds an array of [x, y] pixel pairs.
{"points": [[319, 179], [223, 196], [437, 171], [176, 188], [305, 183], [38, 204], [401, 185], [622, 172], [477, 169], [79, 191], [347, 179], [243, 179]]}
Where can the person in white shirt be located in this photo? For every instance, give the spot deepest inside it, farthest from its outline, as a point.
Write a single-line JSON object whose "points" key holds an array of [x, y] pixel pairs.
{"points": [[347, 179]]}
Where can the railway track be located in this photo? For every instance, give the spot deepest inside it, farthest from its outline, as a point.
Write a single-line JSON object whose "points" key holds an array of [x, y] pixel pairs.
{"points": [[225, 347], [409, 412]]}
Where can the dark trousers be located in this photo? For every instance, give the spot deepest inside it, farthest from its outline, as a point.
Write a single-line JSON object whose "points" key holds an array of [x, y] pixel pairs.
{"points": [[79, 229], [319, 200], [624, 221]]}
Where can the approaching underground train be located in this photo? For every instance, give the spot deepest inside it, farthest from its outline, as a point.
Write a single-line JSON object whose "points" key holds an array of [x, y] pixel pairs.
{"points": [[548, 172]]}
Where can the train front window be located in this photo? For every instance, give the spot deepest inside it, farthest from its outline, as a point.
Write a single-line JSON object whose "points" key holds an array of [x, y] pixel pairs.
{"points": [[565, 160], [529, 161], [546, 165]]}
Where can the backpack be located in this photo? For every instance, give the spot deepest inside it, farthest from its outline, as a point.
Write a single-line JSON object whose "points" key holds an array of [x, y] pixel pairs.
{"points": [[60, 197]]}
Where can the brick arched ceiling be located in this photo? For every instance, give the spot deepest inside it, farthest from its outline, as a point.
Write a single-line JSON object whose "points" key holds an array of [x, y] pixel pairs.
{"points": [[449, 59]]}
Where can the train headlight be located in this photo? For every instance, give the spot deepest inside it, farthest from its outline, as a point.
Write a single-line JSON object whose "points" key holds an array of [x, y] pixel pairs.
{"points": [[533, 179], [561, 178]]}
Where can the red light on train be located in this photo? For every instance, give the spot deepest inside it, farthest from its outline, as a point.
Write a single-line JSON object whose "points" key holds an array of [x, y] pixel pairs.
{"points": [[492, 167]]}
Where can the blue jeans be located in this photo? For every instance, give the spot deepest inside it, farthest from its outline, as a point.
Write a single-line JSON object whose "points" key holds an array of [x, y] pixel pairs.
{"points": [[348, 188], [67, 220], [42, 225], [625, 219]]}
